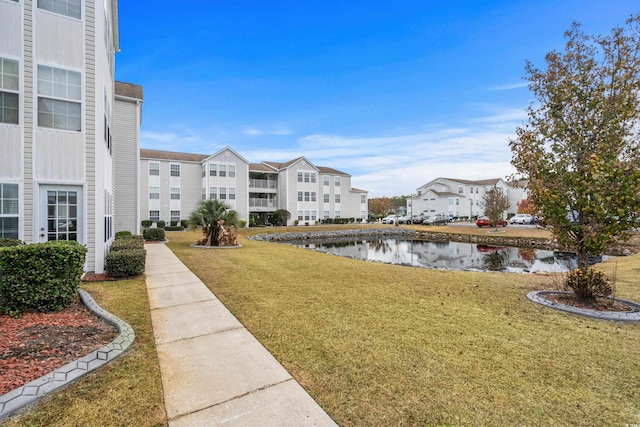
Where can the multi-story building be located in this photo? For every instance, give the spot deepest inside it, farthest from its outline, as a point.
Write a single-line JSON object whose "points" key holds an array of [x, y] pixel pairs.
{"points": [[172, 184], [460, 197], [56, 116]]}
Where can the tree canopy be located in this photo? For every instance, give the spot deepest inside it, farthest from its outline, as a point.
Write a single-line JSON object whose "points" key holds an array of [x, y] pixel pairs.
{"points": [[580, 148], [496, 203], [212, 215]]}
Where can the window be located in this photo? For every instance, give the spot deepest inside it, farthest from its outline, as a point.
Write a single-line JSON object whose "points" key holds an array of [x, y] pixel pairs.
{"points": [[175, 193], [337, 181], [306, 215], [300, 215], [154, 216], [299, 176], [325, 180], [232, 171], [223, 193], [9, 210], [313, 196], [154, 193], [204, 193], [9, 87], [175, 169], [175, 217], [204, 173], [232, 193], [337, 198], [69, 8], [306, 177], [337, 214], [223, 171], [325, 214], [213, 170], [460, 189], [313, 177], [154, 169], [313, 215], [213, 193], [476, 190], [306, 196], [300, 196], [56, 107], [326, 198], [363, 198]]}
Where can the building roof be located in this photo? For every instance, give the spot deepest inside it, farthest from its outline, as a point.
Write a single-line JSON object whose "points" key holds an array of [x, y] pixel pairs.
{"points": [[491, 181], [326, 170], [171, 155], [261, 167], [358, 190], [128, 90]]}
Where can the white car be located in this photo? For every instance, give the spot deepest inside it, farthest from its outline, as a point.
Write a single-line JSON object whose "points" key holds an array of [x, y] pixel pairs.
{"points": [[390, 219], [522, 219]]}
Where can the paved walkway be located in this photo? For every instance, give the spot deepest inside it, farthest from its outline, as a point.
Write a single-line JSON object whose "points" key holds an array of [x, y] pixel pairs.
{"points": [[214, 371]]}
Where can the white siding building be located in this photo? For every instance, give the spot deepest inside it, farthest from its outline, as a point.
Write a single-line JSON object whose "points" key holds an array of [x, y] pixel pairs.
{"points": [[459, 197], [310, 193], [56, 116]]}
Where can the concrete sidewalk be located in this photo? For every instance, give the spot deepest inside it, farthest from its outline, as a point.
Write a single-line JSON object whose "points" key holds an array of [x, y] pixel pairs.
{"points": [[213, 370]]}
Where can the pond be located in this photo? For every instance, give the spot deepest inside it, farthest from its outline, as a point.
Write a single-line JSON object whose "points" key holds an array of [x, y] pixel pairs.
{"points": [[446, 255]]}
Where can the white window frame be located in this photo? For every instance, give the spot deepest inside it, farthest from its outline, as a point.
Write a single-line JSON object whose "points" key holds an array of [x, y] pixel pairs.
{"points": [[326, 198], [59, 98], [153, 190], [175, 193], [213, 169], [213, 193], [232, 193], [336, 181], [232, 171], [223, 193], [337, 198], [175, 169], [154, 169], [153, 217], [9, 89], [173, 216], [9, 208], [69, 8]]}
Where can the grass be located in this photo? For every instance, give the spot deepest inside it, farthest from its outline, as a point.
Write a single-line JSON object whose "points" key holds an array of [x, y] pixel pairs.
{"points": [[127, 391], [380, 344]]}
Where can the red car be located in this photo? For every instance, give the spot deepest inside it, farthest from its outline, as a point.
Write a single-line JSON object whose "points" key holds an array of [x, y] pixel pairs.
{"points": [[486, 222]]}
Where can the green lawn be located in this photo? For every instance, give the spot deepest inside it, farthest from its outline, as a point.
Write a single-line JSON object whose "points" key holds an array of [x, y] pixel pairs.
{"points": [[380, 344]]}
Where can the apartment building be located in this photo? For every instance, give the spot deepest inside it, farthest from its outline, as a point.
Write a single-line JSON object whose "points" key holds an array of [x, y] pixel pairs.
{"points": [[460, 197], [56, 116], [172, 184]]}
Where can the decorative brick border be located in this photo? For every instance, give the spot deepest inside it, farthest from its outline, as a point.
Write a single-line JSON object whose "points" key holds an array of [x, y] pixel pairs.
{"points": [[621, 316], [39, 388]]}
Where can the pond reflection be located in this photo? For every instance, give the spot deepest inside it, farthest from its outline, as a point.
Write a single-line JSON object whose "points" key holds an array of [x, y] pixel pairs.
{"points": [[446, 255]]}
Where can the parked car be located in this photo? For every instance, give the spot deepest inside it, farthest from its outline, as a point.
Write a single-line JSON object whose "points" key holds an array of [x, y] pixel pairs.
{"points": [[417, 219], [404, 219], [439, 219], [483, 221], [522, 219], [389, 219]]}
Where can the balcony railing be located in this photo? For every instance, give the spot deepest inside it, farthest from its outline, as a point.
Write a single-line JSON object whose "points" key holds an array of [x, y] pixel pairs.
{"points": [[262, 203], [262, 183]]}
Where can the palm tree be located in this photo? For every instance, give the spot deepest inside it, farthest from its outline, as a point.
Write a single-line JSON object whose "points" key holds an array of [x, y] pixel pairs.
{"points": [[211, 214]]}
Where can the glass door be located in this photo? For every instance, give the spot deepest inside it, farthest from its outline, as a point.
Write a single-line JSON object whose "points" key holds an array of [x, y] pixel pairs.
{"points": [[61, 213]]}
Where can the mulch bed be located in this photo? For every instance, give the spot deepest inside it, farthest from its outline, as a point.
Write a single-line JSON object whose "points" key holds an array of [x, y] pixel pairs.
{"points": [[36, 344], [598, 305]]}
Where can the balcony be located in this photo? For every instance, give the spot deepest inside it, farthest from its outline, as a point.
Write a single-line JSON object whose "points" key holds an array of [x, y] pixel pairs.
{"points": [[262, 205], [264, 184]]}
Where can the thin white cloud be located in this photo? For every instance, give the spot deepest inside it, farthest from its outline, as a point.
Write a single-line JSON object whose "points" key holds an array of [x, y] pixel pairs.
{"points": [[258, 132], [508, 86]]}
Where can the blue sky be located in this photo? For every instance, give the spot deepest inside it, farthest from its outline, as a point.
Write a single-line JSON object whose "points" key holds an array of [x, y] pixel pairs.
{"points": [[395, 93]]}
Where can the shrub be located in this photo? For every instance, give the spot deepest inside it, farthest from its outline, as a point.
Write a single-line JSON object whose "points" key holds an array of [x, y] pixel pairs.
{"points": [[160, 224], [174, 228], [123, 233], [146, 223], [153, 234], [589, 284], [184, 223], [7, 242], [123, 262], [242, 223], [125, 244], [41, 277]]}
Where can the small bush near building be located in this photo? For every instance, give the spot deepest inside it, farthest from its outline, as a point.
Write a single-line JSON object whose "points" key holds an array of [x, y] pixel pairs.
{"points": [[153, 234], [123, 263], [160, 224], [131, 243], [184, 223], [41, 277], [174, 228], [123, 233], [7, 242], [146, 223]]}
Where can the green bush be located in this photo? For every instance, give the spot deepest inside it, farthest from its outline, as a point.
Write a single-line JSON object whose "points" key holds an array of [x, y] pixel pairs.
{"points": [[160, 224], [153, 234], [123, 233], [7, 242], [146, 223], [130, 243], [123, 262], [242, 223], [174, 228], [184, 223], [41, 277]]}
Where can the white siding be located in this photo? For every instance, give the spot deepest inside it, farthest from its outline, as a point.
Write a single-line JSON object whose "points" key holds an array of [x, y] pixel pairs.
{"points": [[11, 157]]}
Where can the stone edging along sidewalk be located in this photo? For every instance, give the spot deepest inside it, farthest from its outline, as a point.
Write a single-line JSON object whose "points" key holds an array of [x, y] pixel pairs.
{"points": [[624, 316], [65, 375]]}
